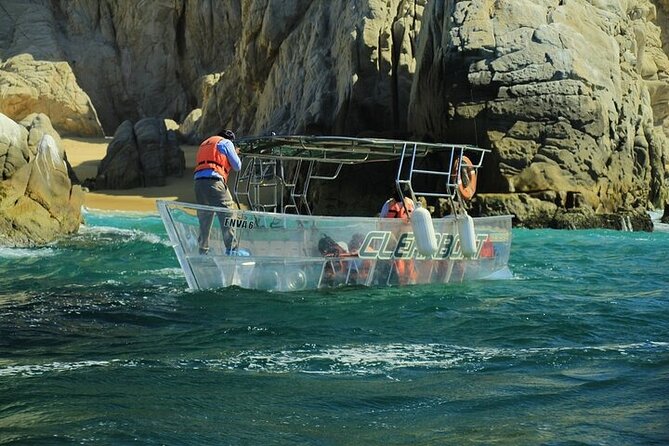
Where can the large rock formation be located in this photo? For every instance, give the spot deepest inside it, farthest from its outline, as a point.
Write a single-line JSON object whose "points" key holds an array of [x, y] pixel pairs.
{"points": [[251, 65], [571, 95], [28, 86], [38, 202]]}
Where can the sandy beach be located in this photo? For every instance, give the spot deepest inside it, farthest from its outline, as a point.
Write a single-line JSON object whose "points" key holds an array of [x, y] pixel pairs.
{"points": [[85, 154]]}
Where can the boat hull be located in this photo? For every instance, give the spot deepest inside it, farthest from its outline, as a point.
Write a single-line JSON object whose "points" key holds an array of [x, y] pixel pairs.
{"points": [[286, 252]]}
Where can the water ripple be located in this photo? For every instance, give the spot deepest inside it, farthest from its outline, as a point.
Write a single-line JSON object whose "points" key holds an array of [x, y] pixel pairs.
{"points": [[351, 360]]}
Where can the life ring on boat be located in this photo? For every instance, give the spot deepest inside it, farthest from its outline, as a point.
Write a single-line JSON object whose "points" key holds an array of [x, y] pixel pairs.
{"points": [[465, 175]]}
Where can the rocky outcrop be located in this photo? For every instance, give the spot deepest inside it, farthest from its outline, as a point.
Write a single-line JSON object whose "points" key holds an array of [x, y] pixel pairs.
{"points": [[565, 94], [140, 155], [29, 86], [38, 202], [532, 212], [572, 96]]}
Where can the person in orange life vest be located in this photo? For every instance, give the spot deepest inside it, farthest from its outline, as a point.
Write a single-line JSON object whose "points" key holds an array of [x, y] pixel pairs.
{"points": [[395, 207], [215, 158]]}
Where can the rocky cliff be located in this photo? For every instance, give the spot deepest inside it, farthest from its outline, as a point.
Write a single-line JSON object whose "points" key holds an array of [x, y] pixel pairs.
{"points": [[572, 96]]}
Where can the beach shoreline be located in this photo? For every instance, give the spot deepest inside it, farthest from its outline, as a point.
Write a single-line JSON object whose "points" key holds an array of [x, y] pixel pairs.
{"points": [[85, 155]]}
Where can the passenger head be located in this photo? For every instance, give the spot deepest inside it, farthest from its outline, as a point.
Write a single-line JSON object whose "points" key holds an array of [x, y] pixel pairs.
{"points": [[227, 134], [356, 242], [327, 246]]}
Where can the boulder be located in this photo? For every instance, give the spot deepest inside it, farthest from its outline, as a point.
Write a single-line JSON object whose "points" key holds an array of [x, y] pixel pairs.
{"points": [[120, 168], [38, 202], [38, 125], [14, 150], [141, 155], [30, 86]]}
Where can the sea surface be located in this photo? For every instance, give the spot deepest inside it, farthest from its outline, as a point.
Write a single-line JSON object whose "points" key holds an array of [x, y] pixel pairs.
{"points": [[101, 343]]}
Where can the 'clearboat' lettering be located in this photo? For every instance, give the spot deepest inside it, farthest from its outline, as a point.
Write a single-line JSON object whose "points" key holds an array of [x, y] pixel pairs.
{"points": [[377, 245]]}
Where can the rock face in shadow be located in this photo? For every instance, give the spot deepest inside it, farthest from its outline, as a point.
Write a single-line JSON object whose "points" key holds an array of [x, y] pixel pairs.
{"points": [[38, 202], [571, 96], [140, 155]]}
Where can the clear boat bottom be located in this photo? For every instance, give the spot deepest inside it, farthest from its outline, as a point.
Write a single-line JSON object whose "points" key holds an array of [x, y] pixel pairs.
{"points": [[283, 252]]}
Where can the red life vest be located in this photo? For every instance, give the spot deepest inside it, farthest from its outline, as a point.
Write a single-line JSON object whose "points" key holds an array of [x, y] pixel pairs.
{"points": [[208, 157], [397, 210]]}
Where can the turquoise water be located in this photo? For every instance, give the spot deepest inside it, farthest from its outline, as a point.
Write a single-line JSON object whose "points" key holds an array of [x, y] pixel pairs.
{"points": [[100, 343]]}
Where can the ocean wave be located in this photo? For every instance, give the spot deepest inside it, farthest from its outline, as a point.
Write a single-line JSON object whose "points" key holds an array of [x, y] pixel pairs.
{"points": [[374, 359], [21, 253], [86, 211], [660, 227], [101, 233], [164, 272], [358, 360], [40, 369], [655, 217]]}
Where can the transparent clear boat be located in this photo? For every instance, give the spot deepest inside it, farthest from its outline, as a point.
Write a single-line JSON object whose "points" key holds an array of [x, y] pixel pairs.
{"points": [[278, 248]]}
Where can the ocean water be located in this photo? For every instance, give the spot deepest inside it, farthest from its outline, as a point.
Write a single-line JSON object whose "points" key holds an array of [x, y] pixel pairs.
{"points": [[101, 343]]}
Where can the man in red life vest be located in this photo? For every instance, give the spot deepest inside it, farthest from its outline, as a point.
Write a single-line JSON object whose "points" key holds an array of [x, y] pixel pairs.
{"points": [[215, 158]]}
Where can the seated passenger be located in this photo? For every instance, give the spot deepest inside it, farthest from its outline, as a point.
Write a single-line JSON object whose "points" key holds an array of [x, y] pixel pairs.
{"points": [[393, 207], [333, 269]]}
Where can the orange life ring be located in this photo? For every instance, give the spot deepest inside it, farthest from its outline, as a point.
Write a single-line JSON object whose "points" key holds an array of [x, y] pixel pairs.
{"points": [[467, 182]]}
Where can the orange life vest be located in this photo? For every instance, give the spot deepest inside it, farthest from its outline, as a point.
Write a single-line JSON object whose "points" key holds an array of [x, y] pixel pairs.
{"points": [[488, 248], [208, 157]]}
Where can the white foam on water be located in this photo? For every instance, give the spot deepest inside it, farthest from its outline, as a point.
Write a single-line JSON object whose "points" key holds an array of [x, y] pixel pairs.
{"points": [[503, 274], [40, 369], [165, 272], [655, 217], [130, 235], [660, 227], [354, 360], [117, 213], [370, 359], [21, 253], [375, 359]]}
